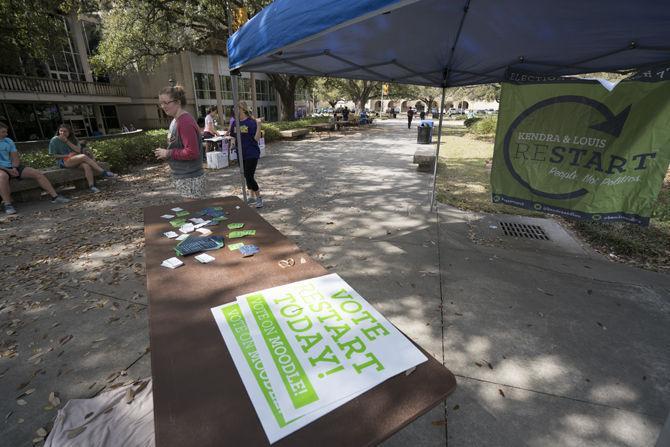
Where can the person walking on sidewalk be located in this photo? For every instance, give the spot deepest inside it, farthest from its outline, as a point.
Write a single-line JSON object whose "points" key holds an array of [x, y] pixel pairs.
{"points": [[250, 132], [69, 154], [184, 150], [11, 169], [410, 115]]}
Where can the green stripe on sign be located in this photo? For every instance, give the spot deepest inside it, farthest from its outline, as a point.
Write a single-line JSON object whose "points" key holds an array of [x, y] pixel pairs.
{"points": [[296, 382], [240, 330]]}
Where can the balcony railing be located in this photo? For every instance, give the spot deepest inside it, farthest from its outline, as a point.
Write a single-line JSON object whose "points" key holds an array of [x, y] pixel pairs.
{"points": [[24, 84]]}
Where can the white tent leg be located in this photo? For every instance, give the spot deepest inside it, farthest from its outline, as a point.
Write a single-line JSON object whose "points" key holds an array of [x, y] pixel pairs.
{"points": [[236, 113], [238, 137], [437, 151]]}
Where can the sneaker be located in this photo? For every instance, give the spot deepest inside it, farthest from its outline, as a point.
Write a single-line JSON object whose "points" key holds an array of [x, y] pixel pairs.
{"points": [[259, 203], [93, 189], [109, 174], [60, 199], [251, 200], [9, 209]]}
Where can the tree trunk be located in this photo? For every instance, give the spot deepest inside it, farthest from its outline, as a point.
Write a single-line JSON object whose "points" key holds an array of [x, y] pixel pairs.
{"points": [[361, 93], [285, 86]]}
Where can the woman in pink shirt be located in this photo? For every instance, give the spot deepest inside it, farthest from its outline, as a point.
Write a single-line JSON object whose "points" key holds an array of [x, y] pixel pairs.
{"points": [[184, 150]]}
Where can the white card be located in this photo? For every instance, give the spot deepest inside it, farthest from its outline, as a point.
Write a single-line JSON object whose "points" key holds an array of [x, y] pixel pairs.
{"points": [[170, 234], [204, 231], [182, 237], [197, 220], [202, 224], [204, 258], [187, 228], [172, 263], [167, 216], [176, 210]]}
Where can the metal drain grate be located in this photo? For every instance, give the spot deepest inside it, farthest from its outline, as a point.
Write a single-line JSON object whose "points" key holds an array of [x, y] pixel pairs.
{"points": [[524, 230]]}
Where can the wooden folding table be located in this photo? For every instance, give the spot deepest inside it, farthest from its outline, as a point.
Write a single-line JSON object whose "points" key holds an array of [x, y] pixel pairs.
{"points": [[199, 398]]}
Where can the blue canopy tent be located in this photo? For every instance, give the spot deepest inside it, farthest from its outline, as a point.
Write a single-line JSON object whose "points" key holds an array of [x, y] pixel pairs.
{"points": [[447, 43]]}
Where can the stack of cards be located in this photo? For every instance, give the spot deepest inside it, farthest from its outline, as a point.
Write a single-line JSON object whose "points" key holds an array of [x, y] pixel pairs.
{"points": [[195, 244], [241, 233], [249, 250], [232, 247], [204, 258], [187, 228], [172, 263], [321, 345]]}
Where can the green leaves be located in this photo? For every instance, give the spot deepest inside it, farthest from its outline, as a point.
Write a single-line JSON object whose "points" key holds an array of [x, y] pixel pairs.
{"points": [[139, 34]]}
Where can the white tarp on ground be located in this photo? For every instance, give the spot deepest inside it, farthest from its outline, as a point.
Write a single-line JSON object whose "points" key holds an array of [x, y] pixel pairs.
{"points": [[122, 417]]}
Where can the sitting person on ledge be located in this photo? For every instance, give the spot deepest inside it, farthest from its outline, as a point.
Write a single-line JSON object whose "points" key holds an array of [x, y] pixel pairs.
{"points": [[69, 154], [11, 169]]}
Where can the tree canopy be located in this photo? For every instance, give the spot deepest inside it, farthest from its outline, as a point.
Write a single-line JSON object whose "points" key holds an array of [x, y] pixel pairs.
{"points": [[31, 29], [139, 34]]}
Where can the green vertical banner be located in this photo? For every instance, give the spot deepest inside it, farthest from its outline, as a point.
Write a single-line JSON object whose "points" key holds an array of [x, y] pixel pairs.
{"points": [[582, 149]]}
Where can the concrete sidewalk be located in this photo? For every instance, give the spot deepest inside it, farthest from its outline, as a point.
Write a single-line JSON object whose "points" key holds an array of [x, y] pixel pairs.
{"points": [[551, 344]]}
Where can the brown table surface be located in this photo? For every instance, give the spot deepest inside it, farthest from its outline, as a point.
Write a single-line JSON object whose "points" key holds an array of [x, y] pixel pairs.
{"points": [[199, 398]]}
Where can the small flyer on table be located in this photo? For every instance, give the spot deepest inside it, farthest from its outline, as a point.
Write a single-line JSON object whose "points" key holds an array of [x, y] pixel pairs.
{"points": [[321, 343]]}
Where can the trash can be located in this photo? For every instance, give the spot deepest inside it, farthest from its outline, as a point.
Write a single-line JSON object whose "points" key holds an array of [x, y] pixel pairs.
{"points": [[425, 132]]}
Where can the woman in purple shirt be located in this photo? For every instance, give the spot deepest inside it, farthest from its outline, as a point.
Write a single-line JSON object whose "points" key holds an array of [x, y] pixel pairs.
{"points": [[250, 132]]}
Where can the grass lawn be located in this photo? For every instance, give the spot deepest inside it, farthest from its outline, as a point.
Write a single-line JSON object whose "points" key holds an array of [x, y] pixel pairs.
{"points": [[463, 182]]}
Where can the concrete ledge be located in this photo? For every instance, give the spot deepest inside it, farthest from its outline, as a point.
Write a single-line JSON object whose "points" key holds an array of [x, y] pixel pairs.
{"points": [[25, 190], [322, 126], [425, 158], [294, 133]]}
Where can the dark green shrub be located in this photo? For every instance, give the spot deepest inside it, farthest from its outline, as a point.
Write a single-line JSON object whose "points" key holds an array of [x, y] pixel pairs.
{"points": [[121, 153], [485, 126], [271, 132], [38, 160]]}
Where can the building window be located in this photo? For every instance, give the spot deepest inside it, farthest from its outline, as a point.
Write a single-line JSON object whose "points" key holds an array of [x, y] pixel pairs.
{"points": [[65, 64], [92, 36], [262, 90], [110, 118], [49, 119], [23, 122], [244, 89], [272, 114], [226, 86], [204, 86]]}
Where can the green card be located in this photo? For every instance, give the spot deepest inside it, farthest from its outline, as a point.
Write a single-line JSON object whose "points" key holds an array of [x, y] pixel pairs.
{"points": [[217, 208], [219, 219], [232, 247], [236, 234], [176, 223], [183, 213], [235, 226]]}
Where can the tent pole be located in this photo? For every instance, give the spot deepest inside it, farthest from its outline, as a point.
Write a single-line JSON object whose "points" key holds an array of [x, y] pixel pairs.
{"points": [[236, 112], [437, 151], [238, 135]]}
